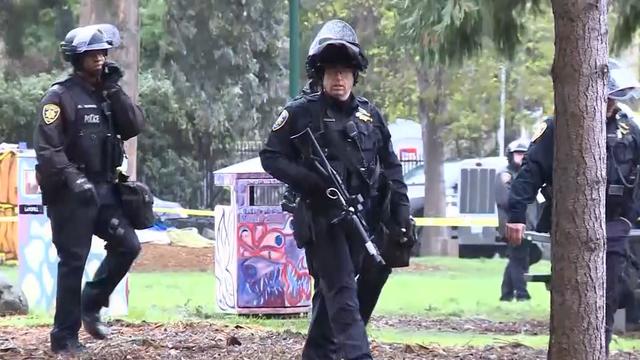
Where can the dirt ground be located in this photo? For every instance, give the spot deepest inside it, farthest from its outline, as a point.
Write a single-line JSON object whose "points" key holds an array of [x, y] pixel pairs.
{"points": [[177, 258], [206, 340], [457, 325], [173, 258], [210, 341]]}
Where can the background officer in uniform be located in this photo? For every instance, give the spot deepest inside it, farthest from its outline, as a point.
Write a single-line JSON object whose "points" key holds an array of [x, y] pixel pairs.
{"points": [[623, 158], [524, 254], [350, 130], [79, 144]]}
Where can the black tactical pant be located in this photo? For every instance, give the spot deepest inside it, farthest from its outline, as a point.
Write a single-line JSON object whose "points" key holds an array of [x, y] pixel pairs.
{"points": [[513, 282], [337, 327], [73, 223], [616, 260]]}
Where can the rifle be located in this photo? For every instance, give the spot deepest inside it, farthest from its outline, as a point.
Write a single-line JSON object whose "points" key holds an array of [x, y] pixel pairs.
{"points": [[350, 206]]}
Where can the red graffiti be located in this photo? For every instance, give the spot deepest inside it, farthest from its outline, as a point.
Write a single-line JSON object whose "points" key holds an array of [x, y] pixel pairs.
{"points": [[259, 240]]}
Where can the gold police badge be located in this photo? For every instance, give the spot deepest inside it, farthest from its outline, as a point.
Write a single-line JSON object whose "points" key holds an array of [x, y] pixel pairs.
{"points": [[363, 115]]}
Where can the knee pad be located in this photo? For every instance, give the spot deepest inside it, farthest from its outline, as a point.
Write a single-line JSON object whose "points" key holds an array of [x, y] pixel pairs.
{"points": [[123, 238]]}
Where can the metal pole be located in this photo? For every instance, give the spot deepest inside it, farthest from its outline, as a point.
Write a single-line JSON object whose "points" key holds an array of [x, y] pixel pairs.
{"points": [[503, 91], [294, 47]]}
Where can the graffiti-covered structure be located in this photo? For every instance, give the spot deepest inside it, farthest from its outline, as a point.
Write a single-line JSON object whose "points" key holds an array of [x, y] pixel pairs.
{"points": [[258, 267]]}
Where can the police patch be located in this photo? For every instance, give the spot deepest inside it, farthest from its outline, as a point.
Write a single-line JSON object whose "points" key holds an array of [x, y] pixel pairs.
{"points": [[539, 130], [50, 113], [282, 119]]}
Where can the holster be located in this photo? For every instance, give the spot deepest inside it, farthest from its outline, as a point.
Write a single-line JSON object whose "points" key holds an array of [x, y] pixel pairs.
{"points": [[302, 224]]}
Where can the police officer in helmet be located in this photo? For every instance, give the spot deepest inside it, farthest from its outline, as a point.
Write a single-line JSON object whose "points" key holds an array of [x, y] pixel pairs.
{"points": [[513, 283], [356, 141], [623, 160], [83, 121]]}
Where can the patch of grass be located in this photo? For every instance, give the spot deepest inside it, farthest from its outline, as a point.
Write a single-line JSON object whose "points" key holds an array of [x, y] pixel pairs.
{"points": [[161, 297], [460, 288], [473, 339], [11, 272]]}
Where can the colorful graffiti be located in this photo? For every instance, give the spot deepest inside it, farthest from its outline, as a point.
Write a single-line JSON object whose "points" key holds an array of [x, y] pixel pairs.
{"points": [[272, 271]]}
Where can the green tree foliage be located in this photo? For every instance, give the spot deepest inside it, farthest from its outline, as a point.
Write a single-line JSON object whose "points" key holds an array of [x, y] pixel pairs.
{"points": [[229, 63], [19, 99], [167, 156], [387, 82], [31, 31]]}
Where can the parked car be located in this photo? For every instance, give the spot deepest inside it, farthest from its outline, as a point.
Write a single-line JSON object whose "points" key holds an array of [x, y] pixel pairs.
{"points": [[415, 180]]}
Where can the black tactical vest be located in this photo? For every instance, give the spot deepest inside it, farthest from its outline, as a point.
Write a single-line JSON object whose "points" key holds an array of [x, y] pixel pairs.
{"points": [[350, 141], [92, 143], [622, 165]]}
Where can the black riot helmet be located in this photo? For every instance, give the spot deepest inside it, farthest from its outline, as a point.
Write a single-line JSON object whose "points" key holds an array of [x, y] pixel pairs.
{"points": [[87, 38], [335, 44], [622, 84]]}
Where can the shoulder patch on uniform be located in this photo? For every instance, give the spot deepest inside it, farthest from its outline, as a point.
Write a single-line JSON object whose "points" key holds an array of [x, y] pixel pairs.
{"points": [[282, 119], [505, 177], [539, 130], [50, 113]]}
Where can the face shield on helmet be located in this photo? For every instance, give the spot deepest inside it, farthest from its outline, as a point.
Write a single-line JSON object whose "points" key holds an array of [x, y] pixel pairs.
{"points": [[622, 84], [87, 38], [335, 32], [336, 43]]}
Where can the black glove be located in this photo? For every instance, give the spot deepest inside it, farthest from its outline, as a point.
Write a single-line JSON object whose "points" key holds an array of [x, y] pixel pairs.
{"points": [[410, 233], [84, 190], [404, 234], [111, 75]]}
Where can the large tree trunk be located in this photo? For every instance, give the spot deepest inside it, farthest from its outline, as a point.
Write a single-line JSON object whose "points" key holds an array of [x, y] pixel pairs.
{"points": [[431, 110], [124, 15], [578, 228]]}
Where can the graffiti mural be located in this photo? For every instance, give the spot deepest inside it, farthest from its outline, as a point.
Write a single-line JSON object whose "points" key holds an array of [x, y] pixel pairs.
{"points": [[272, 271], [258, 268]]}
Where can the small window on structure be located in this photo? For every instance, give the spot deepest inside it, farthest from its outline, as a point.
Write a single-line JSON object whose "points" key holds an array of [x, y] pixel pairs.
{"points": [[266, 195]]}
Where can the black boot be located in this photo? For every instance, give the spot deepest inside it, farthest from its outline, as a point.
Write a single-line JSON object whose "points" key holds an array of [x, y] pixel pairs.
{"points": [[69, 346], [91, 318]]}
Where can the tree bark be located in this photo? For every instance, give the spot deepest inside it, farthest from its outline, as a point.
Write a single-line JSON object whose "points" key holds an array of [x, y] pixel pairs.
{"points": [[578, 228], [431, 109], [124, 15]]}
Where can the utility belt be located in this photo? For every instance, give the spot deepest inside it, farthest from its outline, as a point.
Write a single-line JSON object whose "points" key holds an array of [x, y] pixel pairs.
{"points": [[618, 200]]}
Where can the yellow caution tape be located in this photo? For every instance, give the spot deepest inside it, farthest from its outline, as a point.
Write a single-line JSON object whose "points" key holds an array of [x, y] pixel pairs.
{"points": [[457, 221], [185, 211]]}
